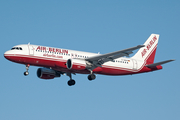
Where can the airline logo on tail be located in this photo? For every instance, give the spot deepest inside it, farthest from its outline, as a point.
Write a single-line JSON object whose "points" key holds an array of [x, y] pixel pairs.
{"points": [[150, 44]]}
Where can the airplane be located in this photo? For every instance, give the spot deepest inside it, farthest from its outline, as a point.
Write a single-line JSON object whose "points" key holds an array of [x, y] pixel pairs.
{"points": [[55, 62]]}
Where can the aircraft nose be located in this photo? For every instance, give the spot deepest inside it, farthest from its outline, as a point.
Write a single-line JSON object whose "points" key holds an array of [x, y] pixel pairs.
{"points": [[7, 55]]}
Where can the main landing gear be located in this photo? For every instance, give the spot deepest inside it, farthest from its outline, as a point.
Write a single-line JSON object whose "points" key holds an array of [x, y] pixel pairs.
{"points": [[27, 68], [71, 81], [91, 76]]}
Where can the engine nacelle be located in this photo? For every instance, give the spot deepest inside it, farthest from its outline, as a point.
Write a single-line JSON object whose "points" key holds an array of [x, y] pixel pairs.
{"points": [[76, 64], [45, 73]]}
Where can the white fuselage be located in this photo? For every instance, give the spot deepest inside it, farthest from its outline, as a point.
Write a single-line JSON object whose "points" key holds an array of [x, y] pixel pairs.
{"points": [[37, 53]]}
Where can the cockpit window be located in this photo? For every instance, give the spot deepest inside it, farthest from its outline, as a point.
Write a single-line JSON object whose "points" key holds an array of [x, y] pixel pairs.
{"points": [[16, 48]]}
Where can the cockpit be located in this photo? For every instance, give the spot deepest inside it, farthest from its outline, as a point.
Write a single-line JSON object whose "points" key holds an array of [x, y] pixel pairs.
{"points": [[16, 48]]}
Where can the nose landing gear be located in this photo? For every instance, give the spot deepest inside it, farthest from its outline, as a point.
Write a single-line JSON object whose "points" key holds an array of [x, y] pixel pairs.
{"points": [[27, 68]]}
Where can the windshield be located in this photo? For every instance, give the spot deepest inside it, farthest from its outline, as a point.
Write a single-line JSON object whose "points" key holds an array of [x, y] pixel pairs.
{"points": [[16, 48]]}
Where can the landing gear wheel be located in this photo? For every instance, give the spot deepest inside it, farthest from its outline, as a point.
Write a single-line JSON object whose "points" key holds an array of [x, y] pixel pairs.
{"points": [[27, 68], [26, 73], [71, 82], [91, 77]]}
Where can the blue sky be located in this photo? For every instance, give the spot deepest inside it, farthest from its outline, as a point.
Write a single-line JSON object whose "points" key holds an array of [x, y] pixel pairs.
{"points": [[94, 26]]}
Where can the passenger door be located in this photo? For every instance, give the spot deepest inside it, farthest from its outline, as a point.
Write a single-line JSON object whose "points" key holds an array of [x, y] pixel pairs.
{"points": [[31, 49], [135, 65]]}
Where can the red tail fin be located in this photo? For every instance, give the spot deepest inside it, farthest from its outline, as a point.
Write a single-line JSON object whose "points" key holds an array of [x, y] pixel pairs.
{"points": [[148, 52]]}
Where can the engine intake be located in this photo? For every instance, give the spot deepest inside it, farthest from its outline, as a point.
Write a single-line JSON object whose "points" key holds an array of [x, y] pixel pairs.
{"points": [[45, 73], [76, 64]]}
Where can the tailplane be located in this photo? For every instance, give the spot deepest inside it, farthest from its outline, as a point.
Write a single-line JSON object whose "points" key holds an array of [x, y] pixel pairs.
{"points": [[158, 63], [148, 52]]}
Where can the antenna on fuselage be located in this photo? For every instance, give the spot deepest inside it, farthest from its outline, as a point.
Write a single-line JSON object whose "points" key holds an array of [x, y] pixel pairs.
{"points": [[29, 43]]}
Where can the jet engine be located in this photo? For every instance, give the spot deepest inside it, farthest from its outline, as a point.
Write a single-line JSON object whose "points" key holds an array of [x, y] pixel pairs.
{"points": [[76, 64], [45, 73]]}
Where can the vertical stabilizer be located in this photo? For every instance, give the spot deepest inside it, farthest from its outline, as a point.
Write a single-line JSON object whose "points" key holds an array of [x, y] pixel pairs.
{"points": [[148, 52]]}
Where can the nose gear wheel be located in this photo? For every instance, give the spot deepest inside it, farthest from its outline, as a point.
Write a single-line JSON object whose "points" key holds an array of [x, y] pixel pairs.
{"points": [[27, 68]]}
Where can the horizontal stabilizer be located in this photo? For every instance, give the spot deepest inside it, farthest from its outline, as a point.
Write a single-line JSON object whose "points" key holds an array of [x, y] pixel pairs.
{"points": [[159, 63]]}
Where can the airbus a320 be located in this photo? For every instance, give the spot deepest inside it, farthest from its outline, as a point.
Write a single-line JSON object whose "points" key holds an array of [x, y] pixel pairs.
{"points": [[57, 61]]}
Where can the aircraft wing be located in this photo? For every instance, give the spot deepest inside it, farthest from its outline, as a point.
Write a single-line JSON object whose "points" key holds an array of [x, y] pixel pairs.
{"points": [[159, 63], [101, 59]]}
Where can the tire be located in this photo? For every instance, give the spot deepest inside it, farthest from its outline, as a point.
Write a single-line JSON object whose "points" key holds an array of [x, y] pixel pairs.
{"points": [[91, 77], [26, 73], [71, 82]]}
